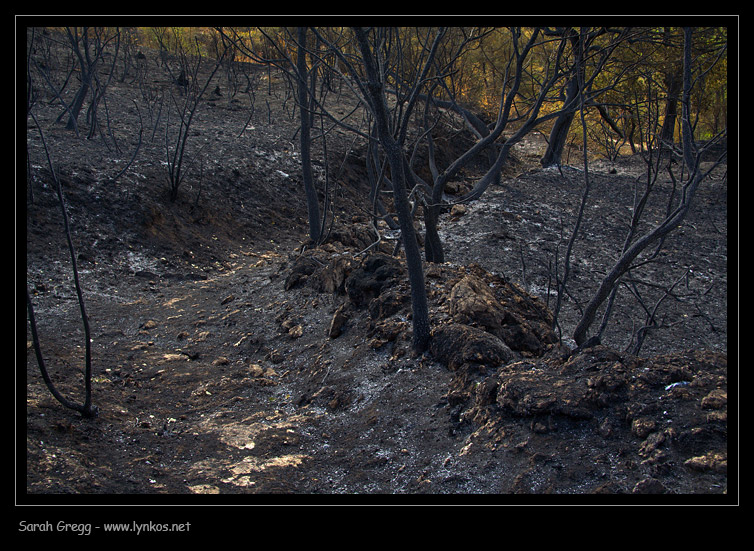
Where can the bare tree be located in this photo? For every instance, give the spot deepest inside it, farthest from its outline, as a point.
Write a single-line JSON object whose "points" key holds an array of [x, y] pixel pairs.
{"points": [[87, 409], [585, 50], [693, 175], [192, 86], [562, 282], [300, 65], [304, 104], [88, 45], [391, 138], [521, 48]]}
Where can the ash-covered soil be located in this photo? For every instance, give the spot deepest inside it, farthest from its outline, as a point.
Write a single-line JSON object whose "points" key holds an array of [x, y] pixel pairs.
{"points": [[229, 358]]}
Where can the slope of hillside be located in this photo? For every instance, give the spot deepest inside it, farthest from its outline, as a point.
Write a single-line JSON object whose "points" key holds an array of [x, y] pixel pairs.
{"points": [[231, 359]]}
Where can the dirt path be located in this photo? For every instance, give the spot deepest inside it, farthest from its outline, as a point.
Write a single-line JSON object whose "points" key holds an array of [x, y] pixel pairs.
{"points": [[160, 350]]}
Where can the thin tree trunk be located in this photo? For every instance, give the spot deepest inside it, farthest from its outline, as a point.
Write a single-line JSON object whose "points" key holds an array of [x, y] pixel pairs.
{"points": [[312, 202], [87, 409]]}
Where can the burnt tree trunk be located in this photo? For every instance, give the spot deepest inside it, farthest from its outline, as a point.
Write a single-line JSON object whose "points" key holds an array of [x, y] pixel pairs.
{"points": [[86, 66], [376, 98], [559, 133], [691, 159], [673, 83], [312, 202]]}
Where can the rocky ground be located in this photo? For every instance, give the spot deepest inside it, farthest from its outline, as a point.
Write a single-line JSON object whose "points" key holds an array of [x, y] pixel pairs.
{"points": [[230, 359]]}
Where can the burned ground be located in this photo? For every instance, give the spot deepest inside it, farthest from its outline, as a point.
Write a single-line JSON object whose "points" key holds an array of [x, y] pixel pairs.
{"points": [[230, 358]]}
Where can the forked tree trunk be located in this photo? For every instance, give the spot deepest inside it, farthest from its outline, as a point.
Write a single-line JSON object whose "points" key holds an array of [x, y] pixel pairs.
{"points": [[559, 133]]}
